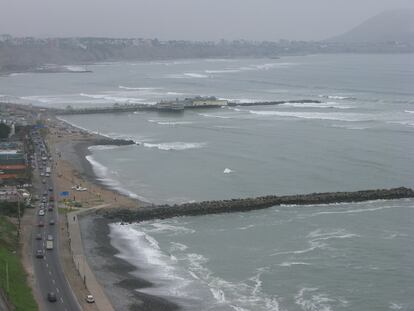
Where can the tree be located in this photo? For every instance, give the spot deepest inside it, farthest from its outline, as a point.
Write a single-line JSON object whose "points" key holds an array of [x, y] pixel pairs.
{"points": [[4, 130]]}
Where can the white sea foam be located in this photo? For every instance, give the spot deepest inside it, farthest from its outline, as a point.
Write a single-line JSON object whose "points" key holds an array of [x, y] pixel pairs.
{"points": [[309, 299], [321, 235], [113, 99], [409, 111], [227, 171], [317, 105], [352, 211], [175, 146], [177, 246], [103, 147], [195, 75], [207, 115], [247, 295], [170, 123], [340, 97], [161, 226], [139, 88], [350, 127], [223, 71], [348, 117], [75, 68], [103, 174], [396, 306], [294, 263], [140, 249], [314, 245]]}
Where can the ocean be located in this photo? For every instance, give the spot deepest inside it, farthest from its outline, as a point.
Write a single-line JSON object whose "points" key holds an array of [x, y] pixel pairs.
{"points": [[333, 257]]}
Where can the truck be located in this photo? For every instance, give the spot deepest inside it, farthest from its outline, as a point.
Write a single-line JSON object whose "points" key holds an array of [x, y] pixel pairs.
{"points": [[49, 245], [48, 170]]}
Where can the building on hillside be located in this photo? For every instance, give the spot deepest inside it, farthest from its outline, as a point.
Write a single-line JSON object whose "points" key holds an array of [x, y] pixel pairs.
{"points": [[13, 165]]}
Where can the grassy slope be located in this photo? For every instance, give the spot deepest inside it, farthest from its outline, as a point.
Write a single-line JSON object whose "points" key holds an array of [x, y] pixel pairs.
{"points": [[20, 293]]}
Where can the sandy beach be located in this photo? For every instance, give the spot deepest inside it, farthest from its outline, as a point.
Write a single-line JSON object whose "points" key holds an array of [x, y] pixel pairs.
{"points": [[70, 147]]}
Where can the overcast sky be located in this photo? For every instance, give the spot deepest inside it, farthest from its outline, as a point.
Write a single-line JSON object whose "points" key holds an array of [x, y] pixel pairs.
{"points": [[190, 19]]}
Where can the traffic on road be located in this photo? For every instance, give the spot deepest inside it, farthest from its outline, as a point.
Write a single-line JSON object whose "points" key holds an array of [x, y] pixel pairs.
{"points": [[51, 281]]}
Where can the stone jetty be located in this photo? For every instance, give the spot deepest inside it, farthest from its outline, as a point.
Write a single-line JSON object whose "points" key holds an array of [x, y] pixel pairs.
{"points": [[244, 205]]}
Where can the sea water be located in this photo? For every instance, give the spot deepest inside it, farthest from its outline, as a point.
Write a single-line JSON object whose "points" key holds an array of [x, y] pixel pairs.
{"points": [[333, 257]]}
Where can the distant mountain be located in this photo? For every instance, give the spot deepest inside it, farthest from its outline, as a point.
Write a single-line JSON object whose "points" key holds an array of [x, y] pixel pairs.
{"points": [[395, 25]]}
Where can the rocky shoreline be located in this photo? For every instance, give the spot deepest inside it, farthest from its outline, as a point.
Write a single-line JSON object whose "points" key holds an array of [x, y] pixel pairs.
{"points": [[243, 205]]}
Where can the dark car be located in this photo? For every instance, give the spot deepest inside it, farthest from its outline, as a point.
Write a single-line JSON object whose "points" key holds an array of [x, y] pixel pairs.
{"points": [[51, 189], [50, 208], [51, 296], [51, 222], [41, 224], [38, 236], [39, 253]]}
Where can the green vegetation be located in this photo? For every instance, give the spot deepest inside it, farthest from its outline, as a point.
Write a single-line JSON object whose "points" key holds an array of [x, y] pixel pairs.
{"points": [[15, 285], [10, 209], [64, 210], [4, 130]]}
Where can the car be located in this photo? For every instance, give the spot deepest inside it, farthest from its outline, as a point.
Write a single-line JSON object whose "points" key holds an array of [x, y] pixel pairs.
{"points": [[90, 299], [51, 222], [38, 236], [42, 212], [42, 174], [50, 189], [39, 253], [41, 224], [51, 296], [50, 208], [50, 237], [43, 181]]}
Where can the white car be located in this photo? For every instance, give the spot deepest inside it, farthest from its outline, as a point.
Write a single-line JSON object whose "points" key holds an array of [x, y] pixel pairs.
{"points": [[42, 212], [90, 299]]}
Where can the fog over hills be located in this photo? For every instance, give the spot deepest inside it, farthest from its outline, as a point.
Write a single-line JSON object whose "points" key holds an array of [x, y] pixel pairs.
{"points": [[393, 25], [388, 32]]}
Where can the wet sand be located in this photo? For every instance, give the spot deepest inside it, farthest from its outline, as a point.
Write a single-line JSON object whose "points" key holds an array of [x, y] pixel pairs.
{"points": [[113, 273]]}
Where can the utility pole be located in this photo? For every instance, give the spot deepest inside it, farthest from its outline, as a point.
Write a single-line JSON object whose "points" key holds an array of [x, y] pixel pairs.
{"points": [[7, 278], [18, 217]]}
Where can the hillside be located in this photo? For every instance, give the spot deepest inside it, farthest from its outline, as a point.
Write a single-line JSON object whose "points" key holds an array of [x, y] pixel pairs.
{"points": [[395, 25]]}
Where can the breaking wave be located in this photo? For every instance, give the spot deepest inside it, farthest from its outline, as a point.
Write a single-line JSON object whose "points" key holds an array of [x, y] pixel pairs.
{"points": [[103, 174], [170, 123], [175, 146], [336, 97], [113, 99], [349, 117], [317, 105]]}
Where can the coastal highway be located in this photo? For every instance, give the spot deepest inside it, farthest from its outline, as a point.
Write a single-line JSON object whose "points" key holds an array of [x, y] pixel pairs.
{"points": [[48, 270]]}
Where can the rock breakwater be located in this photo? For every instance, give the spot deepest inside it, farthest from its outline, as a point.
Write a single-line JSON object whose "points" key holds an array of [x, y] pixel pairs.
{"points": [[244, 205]]}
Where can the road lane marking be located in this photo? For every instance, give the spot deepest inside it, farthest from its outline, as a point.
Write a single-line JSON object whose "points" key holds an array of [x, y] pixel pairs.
{"points": [[61, 299], [53, 281], [47, 265], [50, 272], [57, 290]]}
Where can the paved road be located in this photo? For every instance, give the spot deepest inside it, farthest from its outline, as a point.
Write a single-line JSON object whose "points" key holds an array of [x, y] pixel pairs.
{"points": [[48, 270]]}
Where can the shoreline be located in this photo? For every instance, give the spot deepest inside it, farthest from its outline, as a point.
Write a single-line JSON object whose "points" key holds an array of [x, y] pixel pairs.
{"points": [[112, 273]]}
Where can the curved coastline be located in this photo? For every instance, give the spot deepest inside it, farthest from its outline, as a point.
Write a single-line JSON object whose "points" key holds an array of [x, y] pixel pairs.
{"points": [[138, 214]]}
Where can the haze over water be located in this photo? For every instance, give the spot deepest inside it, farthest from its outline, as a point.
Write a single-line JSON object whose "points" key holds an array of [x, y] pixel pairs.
{"points": [[340, 257]]}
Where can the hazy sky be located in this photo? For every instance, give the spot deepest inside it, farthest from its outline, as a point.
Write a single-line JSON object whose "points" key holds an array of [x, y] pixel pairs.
{"points": [[190, 19]]}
